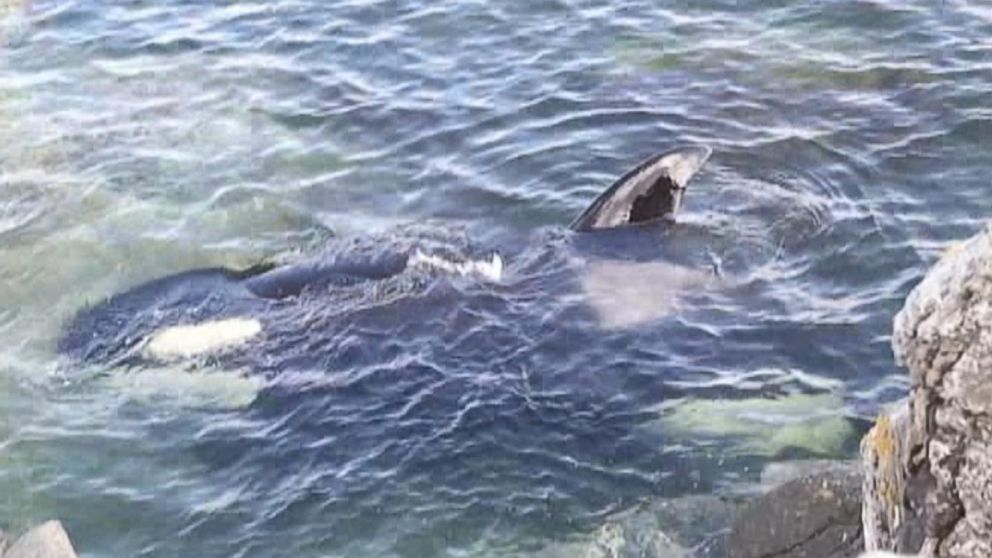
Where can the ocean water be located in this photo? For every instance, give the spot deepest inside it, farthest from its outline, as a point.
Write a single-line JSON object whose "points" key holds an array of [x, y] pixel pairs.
{"points": [[447, 415]]}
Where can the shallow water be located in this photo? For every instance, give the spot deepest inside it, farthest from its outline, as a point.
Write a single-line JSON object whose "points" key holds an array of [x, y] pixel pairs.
{"points": [[453, 415]]}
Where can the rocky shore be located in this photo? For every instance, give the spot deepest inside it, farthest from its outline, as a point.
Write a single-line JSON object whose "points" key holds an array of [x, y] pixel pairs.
{"points": [[928, 486], [924, 485]]}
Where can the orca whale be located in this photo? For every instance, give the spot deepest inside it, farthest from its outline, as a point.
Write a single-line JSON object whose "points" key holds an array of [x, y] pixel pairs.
{"points": [[203, 311], [651, 191]]}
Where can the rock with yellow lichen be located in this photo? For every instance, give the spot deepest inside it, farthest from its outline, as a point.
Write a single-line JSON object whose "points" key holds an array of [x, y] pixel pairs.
{"points": [[928, 485], [884, 481]]}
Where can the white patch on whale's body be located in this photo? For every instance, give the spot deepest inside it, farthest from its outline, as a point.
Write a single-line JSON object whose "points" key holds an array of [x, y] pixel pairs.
{"points": [[188, 386], [625, 293], [490, 270], [185, 341], [177, 376]]}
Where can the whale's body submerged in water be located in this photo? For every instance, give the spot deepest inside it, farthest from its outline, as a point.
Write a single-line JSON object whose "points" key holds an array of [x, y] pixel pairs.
{"points": [[283, 312], [413, 371]]}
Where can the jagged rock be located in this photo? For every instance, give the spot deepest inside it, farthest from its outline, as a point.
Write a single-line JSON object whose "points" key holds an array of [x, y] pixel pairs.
{"points": [[816, 516], [48, 540], [3, 541], [885, 520], [930, 463]]}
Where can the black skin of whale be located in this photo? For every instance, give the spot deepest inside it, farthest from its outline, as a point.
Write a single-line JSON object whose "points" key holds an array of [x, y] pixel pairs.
{"points": [[105, 333]]}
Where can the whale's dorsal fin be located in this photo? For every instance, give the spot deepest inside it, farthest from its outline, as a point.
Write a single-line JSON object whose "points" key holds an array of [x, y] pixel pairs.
{"points": [[653, 190]]}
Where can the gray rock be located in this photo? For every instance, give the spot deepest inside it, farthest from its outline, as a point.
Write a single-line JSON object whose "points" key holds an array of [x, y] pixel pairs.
{"points": [[700, 523], [932, 461], [48, 540], [615, 539], [817, 516], [629, 540], [685, 527], [884, 517], [3, 542]]}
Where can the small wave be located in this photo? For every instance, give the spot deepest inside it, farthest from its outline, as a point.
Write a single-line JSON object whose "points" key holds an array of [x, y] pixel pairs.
{"points": [[490, 270]]}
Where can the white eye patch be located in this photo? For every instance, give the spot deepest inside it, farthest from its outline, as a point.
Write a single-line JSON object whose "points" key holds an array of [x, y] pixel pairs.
{"points": [[184, 341]]}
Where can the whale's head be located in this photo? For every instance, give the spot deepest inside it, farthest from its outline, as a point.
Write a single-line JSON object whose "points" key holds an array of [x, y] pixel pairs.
{"points": [[651, 191]]}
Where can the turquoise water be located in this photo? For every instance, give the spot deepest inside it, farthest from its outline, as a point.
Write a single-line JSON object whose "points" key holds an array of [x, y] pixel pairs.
{"points": [[851, 146]]}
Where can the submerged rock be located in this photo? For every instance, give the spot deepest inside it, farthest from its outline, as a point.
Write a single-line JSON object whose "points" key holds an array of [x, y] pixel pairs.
{"points": [[815, 516], [48, 540], [808, 424], [929, 462], [685, 527], [622, 540]]}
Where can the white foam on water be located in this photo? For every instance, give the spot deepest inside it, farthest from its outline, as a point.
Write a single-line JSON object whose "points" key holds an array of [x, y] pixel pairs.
{"points": [[490, 270], [191, 340]]}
